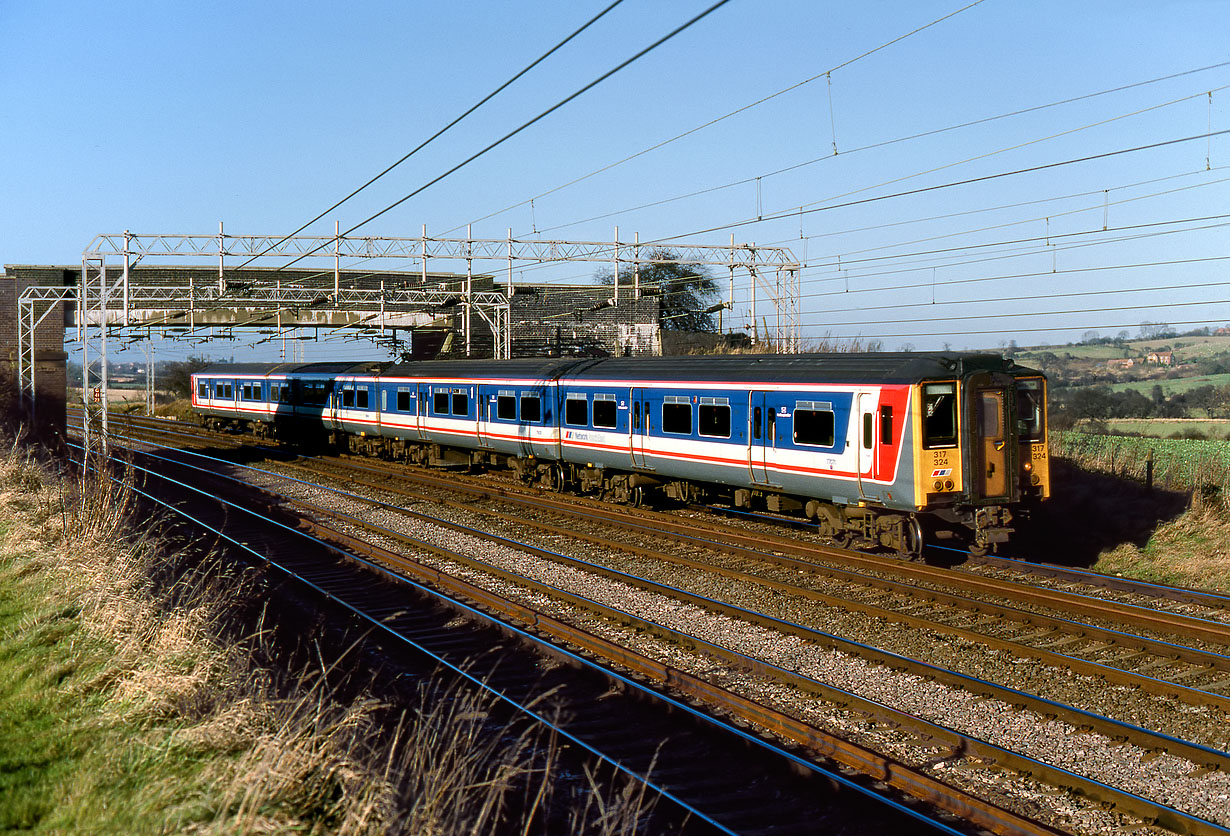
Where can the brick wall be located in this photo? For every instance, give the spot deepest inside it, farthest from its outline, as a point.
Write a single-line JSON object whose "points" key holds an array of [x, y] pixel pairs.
{"points": [[50, 371]]}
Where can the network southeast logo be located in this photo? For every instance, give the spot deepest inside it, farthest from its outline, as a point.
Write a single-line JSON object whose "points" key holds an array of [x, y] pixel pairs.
{"points": [[941, 472]]}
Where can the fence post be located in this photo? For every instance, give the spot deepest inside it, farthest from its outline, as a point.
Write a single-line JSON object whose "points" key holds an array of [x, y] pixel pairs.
{"points": [[1149, 470]]}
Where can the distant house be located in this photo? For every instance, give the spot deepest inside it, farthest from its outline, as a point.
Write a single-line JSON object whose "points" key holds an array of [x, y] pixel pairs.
{"points": [[1160, 358], [1121, 363], [1222, 332]]}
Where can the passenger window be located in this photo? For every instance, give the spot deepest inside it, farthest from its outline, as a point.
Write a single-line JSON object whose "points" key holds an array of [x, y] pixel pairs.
{"points": [[531, 409], [576, 411], [461, 403], [440, 403], [403, 400], [939, 415], [886, 424], [506, 408], [713, 420], [814, 427], [677, 418], [362, 398], [347, 398], [202, 390], [604, 413]]}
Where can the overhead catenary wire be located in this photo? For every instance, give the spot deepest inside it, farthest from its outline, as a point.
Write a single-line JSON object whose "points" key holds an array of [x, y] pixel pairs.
{"points": [[788, 213], [724, 117], [677, 30], [825, 158], [443, 130]]}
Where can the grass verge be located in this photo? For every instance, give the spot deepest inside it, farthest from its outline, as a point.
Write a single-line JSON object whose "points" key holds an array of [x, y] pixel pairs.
{"points": [[137, 697]]}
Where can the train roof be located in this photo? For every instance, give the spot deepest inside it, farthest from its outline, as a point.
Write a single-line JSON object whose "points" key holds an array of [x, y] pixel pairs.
{"points": [[887, 367], [348, 367]]}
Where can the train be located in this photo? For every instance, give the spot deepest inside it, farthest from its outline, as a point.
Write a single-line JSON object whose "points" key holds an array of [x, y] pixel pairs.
{"points": [[895, 451]]}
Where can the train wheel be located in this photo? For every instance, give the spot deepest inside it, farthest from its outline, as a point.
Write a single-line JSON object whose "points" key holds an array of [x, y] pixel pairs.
{"points": [[638, 498], [558, 482], [912, 542]]}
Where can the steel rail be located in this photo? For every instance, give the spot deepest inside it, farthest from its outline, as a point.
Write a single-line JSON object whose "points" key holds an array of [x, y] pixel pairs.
{"points": [[914, 782], [955, 740], [1118, 676], [1211, 662], [1160, 621]]}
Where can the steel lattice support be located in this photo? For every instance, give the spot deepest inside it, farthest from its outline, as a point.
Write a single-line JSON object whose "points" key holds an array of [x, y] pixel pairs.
{"points": [[33, 306], [108, 300]]}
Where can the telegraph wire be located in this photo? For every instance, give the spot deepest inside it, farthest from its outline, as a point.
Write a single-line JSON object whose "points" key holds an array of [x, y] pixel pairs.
{"points": [[533, 121], [440, 132]]}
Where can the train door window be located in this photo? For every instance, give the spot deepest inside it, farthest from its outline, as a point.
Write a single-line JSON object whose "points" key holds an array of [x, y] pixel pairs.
{"points": [[461, 402], [403, 399], [362, 397], [770, 428], [220, 390], [347, 397], [713, 417], [604, 411], [531, 409], [576, 410], [1029, 397], [939, 415], [756, 419], [275, 393], [636, 415], [506, 405], [202, 389], [814, 423], [988, 415], [439, 403], [868, 430], [677, 415], [886, 424]]}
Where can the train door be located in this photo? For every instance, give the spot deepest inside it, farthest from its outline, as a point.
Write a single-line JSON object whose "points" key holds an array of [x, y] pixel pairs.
{"points": [[421, 404], [991, 450], [334, 408], [483, 404], [638, 426], [866, 431], [761, 437]]}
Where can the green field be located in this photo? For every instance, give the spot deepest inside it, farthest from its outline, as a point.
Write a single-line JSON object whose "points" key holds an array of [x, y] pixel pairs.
{"points": [[1171, 387], [1168, 427], [1177, 463]]}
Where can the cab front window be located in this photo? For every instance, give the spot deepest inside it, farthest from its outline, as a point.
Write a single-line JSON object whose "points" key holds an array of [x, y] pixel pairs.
{"points": [[1030, 396], [939, 415]]}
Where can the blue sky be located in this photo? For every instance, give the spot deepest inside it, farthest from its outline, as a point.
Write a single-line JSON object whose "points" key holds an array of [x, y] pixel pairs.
{"points": [[171, 117]]}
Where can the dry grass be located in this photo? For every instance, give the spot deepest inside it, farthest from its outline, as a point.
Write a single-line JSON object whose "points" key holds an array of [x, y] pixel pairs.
{"points": [[190, 730], [1192, 550]]}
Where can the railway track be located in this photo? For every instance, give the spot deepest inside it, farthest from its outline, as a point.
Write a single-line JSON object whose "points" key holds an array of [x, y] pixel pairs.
{"points": [[722, 798], [1210, 756]]}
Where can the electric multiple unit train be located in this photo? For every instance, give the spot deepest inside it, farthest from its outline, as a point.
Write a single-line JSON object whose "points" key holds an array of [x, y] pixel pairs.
{"points": [[890, 450]]}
